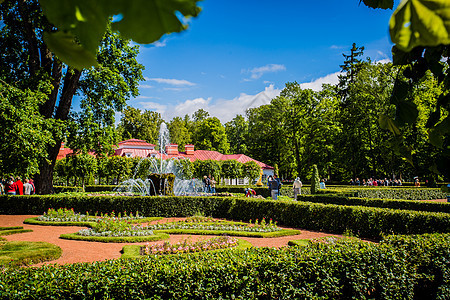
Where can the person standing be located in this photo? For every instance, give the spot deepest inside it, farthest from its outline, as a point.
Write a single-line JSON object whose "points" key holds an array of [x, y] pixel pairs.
{"points": [[322, 184], [19, 187], [2, 187], [273, 186], [208, 184], [34, 188], [27, 188], [10, 186], [213, 185], [297, 186]]}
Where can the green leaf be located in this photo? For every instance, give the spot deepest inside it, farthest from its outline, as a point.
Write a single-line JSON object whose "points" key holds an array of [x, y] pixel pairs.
{"points": [[85, 19], [420, 23], [64, 46], [388, 124], [399, 92], [433, 58], [143, 21], [146, 21], [406, 112], [437, 133], [383, 4]]}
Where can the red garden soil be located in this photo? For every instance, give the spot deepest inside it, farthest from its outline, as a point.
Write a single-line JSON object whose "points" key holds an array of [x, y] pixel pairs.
{"points": [[81, 251]]}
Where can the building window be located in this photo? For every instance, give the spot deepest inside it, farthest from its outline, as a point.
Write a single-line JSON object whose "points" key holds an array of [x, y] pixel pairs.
{"points": [[128, 154], [240, 181]]}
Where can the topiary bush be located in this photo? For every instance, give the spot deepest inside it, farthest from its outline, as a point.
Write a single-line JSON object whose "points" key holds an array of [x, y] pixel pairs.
{"points": [[315, 180]]}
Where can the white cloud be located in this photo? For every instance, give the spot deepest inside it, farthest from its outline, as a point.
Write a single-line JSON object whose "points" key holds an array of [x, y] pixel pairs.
{"points": [[160, 44], [256, 73], [223, 109], [176, 82], [227, 109], [316, 85], [188, 107], [160, 108], [146, 86]]}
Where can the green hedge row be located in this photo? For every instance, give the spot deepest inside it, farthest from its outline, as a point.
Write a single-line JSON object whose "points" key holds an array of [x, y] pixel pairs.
{"points": [[399, 268], [87, 188], [384, 203], [370, 222], [406, 193], [65, 189]]}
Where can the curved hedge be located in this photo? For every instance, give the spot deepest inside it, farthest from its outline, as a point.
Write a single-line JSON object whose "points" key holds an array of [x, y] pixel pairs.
{"points": [[116, 239], [369, 222], [400, 268]]}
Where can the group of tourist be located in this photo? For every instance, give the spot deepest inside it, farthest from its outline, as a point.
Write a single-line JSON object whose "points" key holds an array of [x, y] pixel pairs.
{"points": [[16, 187], [209, 184], [376, 182]]}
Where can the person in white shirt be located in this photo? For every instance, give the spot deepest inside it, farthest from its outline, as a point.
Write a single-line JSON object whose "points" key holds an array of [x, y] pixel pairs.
{"points": [[297, 187], [27, 188]]}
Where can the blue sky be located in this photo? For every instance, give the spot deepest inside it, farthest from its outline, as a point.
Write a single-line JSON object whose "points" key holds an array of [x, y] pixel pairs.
{"points": [[240, 54]]}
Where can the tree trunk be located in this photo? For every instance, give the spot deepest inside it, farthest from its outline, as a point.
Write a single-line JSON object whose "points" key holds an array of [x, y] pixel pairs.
{"points": [[44, 180]]}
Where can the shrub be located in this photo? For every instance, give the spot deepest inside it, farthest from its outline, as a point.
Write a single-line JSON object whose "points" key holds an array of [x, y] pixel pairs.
{"points": [[315, 184], [385, 203], [342, 270]]}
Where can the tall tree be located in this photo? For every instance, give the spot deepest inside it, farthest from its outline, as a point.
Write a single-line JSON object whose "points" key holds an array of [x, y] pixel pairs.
{"points": [[179, 132], [237, 131], [210, 135], [77, 42], [25, 133], [140, 125]]}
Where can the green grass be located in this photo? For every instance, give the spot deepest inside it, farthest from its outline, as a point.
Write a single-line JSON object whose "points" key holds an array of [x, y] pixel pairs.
{"points": [[132, 251], [12, 230], [35, 221], [18, 253], [113, 239]]}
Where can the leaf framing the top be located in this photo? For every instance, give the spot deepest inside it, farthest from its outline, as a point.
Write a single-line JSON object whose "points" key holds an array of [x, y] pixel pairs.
{"points": [[143, 21], [420, 23]]}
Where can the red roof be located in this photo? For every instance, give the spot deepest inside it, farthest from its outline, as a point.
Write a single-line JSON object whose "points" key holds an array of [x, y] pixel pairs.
{"points": [[134, 152], [63, 152], [135, 142], [214, 155]]}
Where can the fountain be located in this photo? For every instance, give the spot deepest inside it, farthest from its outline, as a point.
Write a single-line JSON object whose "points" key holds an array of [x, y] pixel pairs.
{"points": [[159, 176]]}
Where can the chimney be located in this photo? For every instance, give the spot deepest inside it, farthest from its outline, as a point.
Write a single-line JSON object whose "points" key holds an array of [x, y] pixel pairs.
{"points": [[189, 149], [172, 149]]}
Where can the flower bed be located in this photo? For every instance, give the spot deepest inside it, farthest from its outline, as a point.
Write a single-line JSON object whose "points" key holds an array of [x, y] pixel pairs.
{"points": [[67, 217], [215, 225], [113, 227], [221, 242]]}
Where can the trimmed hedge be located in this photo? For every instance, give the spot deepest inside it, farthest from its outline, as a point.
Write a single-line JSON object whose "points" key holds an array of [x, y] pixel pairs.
{"points": [[66, 189], [344, 270], [385, 203], [406, 193], [370, 222], [158, 236]]}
